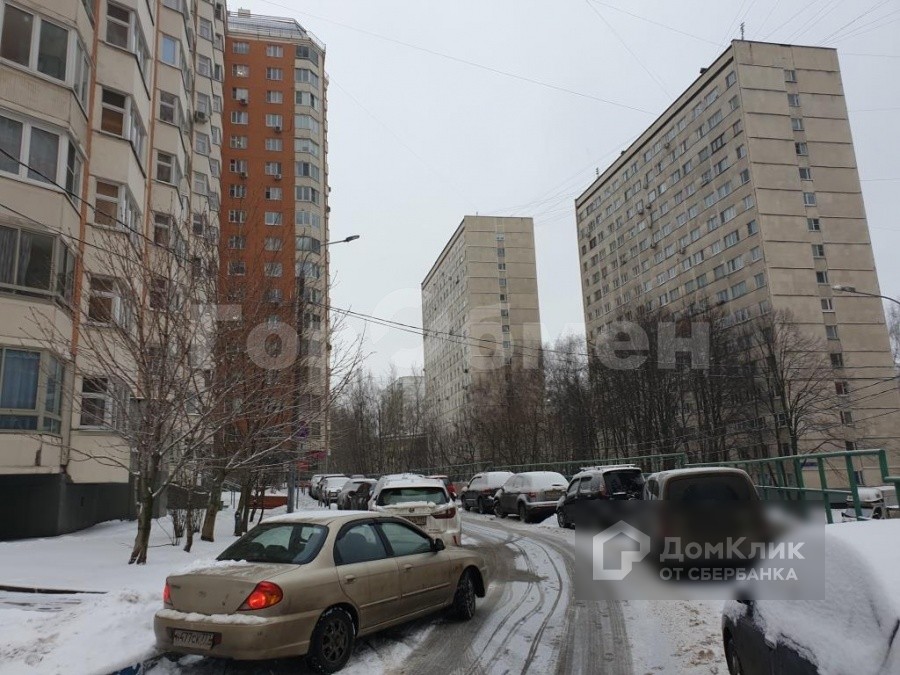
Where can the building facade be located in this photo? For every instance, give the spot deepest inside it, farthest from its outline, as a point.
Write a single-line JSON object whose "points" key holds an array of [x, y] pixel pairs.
{"points": [[744, 195], [110, 122], [480, 311], [273, 248]]}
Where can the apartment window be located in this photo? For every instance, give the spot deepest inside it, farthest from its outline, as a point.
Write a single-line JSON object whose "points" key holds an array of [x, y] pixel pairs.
{"points": [[831, 332], [104, 301], [310, 244], [752, 228], [273, 244], [162, 229], [199, 223], [240, 70], [760, 279], [307, 99], [274, 295], [274, 144], [273, 168], [274, 51], [827, 305], [841, 388], [818, 250], [306, 76], [273, 218], [238, 165], [27, 377], [201, 185], [717, 143], [34, 42], [738, 290], [237, 191], [794, 100], [503, 282], [821, 277], [240, 117], [169, 108], [721, 296], [801, 149], [307, 170], [273, 193], [846, 417], [307, 219], [201, 144], [35, 261], [237, 242], [809, 198], [237, 268], [238, 142], [170, 51], [745, 176], [805, 173], [837, 359], [204, 66], [115, 207], [119, 118], [237, 216], [43, 150], [755, 254], [308, 270], [274, 121], [733, 103], [215, 168], [274, 73], [240, 47], [749, 202], [306, 122], [727, 214], [306, 194], [274, 96], [104, 403], [797, 123], [790, 75], [730, 79], [306, 145], [813, 225], [502, 267], [205, 29], [734, 264], [167, 169]]}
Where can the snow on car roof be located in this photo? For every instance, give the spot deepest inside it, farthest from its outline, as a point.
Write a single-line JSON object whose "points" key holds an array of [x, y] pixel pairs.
{"points": [[674, 473], [319, 516], [412, 481]]}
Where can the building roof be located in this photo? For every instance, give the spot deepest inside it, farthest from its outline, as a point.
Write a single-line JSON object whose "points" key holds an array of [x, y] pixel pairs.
{"points": [[261, 25]]}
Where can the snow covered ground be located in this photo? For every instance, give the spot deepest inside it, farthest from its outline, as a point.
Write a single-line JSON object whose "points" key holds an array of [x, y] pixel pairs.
{"points": [[72, 634]]}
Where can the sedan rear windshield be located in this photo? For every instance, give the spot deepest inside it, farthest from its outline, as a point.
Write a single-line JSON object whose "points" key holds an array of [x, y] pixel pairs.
{"points": [[545, 480], [630, 482], [398, 495], [288, 543], [711, 488]]}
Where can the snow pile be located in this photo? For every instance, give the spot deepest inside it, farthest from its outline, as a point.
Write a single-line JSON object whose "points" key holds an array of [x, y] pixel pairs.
{"points": [[223, 619], [851, 626]]}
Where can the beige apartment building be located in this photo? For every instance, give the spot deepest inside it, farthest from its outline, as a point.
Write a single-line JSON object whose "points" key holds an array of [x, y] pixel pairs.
{"points": [[479, 311], [274, 246], [745, 194], [110, 121]]}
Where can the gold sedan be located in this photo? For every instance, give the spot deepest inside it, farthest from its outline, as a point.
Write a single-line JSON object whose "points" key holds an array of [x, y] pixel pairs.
{"points": [[311, 583]]}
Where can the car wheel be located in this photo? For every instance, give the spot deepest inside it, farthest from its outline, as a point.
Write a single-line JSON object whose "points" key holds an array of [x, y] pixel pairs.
{"points": [[523, 514], [498, 510], [464, 598], [732, 659], [561, 520], [332, 641]]}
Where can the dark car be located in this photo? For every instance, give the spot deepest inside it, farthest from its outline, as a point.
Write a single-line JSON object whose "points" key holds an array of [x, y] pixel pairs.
{"points": [[617, 481], [355, 493], [531, 495], [479, 493], [851, 625]]}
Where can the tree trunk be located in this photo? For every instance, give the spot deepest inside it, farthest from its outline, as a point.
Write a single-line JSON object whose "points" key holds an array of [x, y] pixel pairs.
{"points": [[145, 521], [212, 509], [189, 517]]}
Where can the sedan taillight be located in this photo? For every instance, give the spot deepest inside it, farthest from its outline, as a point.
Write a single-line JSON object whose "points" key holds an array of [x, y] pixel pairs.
{"points": [[167, 595], [264, 595], [449, 513]]}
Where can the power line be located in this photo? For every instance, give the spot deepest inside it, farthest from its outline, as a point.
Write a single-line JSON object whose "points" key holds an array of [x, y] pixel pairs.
{"points": [[657, 23]]}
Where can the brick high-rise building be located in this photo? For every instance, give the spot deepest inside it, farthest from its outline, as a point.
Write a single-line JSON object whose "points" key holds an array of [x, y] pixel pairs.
{"points": [[744, 194], [273, 247]]}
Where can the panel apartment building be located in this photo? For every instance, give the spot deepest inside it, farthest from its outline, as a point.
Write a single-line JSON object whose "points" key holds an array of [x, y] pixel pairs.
{"points": [[273, 248], [479, 311], [110, 121], [745, 194]]}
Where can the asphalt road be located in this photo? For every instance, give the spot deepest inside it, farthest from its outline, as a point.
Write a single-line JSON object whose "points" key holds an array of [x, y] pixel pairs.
{"points": [[529, 621]]}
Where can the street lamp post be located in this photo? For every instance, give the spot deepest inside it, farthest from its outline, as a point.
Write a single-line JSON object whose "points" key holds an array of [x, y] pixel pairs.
{"points": [[292, 474], [852, 291]]}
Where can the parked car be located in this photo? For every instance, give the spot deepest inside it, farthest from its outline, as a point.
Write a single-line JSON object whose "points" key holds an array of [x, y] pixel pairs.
{"points": [[387, 477], [479, 493], [312, 584], [330, 488], [614, 481], [316, 482], [354, 492], [850, 627], [699, 485], [876, 503], [451, 488], [422, 501], [531, 495]]}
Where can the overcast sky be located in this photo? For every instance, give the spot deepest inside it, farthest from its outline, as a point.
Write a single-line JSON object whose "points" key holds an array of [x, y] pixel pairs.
{"points": [[423, 129]]}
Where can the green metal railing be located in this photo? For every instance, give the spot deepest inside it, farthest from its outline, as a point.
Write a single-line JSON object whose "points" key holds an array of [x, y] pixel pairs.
{"points": [[784, 477]]}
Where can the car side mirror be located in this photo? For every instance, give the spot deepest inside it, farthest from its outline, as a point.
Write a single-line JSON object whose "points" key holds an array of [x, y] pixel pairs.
{"points": [[437, 545]]}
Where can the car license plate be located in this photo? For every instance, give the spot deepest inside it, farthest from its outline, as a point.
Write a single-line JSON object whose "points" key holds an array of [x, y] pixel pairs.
{"points": [[552, 494], [192, 639], [417, 520]]}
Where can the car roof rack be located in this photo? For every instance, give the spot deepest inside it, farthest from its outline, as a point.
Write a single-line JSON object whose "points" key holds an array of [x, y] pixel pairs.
{"points": [[606, 467]]}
